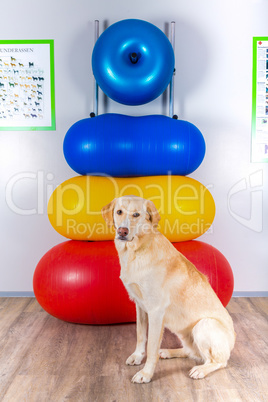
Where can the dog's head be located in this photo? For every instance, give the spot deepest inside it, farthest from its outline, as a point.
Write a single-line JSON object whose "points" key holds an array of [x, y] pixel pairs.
{"points": [[131, 216]]}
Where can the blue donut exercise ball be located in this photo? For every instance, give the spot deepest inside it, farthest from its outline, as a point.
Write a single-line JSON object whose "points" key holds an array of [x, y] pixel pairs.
{"points": [[133, 62], [125, 146]]}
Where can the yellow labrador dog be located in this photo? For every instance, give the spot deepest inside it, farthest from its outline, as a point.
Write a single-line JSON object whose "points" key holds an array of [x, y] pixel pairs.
{"points": [[168, 291]]}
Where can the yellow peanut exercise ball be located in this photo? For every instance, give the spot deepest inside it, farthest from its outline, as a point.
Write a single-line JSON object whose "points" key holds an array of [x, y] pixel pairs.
{"points": [[186, 207]]}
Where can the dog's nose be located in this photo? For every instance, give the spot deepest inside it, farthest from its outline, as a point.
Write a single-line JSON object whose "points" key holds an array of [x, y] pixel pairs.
{"points": [[123, 232]]}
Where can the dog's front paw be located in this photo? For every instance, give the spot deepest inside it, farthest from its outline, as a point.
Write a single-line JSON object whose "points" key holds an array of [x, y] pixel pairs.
{"points": [[135, 359], [141, 377]]}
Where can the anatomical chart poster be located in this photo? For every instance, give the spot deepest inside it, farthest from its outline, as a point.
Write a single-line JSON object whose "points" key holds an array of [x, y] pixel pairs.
{"points": [[27, 97], [259, 151]]}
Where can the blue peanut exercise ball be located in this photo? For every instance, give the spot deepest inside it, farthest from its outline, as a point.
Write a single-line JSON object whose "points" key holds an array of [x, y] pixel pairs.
{"points": [[133, 62], [123, 146]]}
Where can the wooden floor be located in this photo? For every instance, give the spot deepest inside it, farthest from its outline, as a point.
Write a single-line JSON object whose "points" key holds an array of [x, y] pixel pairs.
{"points": [[45, 359]]}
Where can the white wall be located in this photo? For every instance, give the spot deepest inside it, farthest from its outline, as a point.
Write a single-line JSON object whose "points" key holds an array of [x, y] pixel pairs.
{"points": [[212, 90]]}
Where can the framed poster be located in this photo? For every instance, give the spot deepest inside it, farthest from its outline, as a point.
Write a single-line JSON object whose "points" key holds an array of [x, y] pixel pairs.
{"points": [[27, 94], [259, 149]]}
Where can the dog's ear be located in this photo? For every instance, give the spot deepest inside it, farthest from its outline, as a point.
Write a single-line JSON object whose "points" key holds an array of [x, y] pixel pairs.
{"points": [[153, 212], [108, 211]]}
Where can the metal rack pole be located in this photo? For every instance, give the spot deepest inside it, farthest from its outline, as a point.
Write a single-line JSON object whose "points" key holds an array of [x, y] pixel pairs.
{"points": [[96, 87], [171, 85]]}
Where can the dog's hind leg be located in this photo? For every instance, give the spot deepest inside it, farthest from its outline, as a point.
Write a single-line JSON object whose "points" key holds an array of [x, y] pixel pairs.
{"points": [[214, 343], [203, 370], [172, 353]]}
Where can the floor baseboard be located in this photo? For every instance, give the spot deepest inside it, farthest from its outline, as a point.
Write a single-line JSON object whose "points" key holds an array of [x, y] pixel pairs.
{"points": [[250, 294], [17, 294], [235, 294]]}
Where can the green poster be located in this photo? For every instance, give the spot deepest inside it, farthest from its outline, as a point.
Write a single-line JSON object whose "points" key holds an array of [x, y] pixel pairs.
{"points": [[27, 97], [259, 149]]}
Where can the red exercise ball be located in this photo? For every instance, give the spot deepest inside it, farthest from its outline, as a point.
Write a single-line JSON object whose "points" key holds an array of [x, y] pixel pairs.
{"points": [[213, 264], [78, 281]]}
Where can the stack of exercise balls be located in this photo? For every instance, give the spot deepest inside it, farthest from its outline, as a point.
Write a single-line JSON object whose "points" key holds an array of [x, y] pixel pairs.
{"points": [[116, 155]]}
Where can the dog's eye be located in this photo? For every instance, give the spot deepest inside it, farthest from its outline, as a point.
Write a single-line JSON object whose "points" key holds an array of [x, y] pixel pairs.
{"points": [[136, 214], [119, 212]]}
